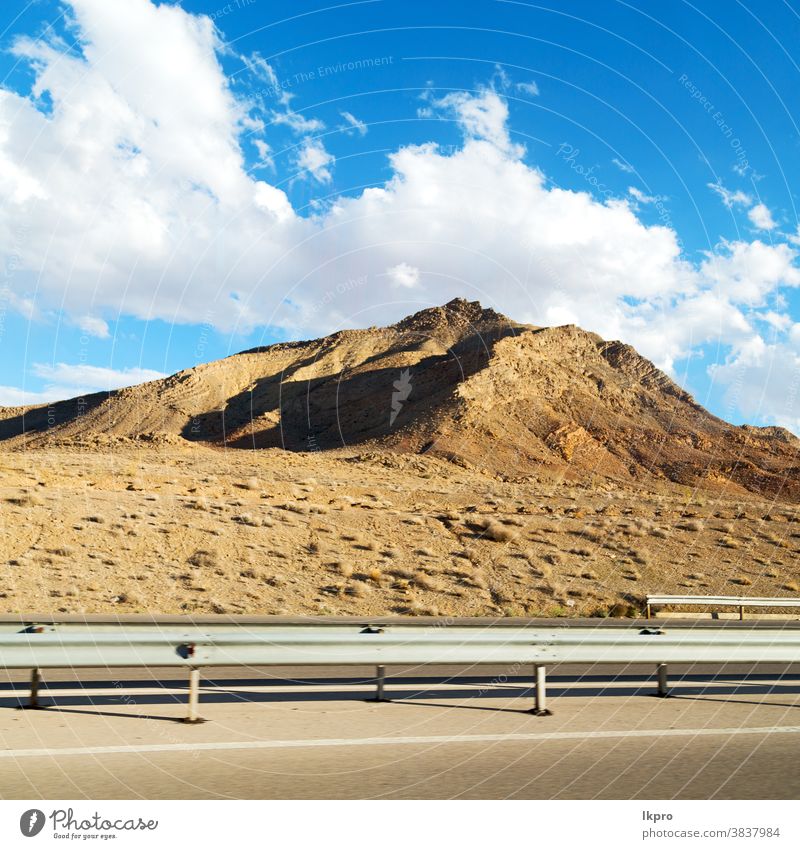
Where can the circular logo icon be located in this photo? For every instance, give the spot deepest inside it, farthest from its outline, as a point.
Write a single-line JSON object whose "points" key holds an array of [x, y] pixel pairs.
{"points": [[31, 822]]}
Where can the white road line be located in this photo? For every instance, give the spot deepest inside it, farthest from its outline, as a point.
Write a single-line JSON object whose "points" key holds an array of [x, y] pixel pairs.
{"points": [[397, 741]]}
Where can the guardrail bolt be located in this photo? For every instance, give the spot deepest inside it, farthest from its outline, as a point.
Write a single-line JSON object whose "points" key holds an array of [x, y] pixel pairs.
{"points": [[540, 705]]}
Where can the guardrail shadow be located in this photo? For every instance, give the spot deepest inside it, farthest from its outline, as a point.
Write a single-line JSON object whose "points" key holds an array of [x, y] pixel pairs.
{"points": [[463, 692]]}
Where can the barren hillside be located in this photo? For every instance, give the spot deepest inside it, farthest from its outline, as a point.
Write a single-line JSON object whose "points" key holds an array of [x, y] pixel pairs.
{"points": [[457, 382], [455, 463]]}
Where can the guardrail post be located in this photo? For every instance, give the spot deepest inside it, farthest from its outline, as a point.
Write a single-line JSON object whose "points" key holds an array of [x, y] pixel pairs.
{"points": [[540, 704], [663, 686], [741, 612], [194, 695], [648, 609], [380, 680], [36, 679]]}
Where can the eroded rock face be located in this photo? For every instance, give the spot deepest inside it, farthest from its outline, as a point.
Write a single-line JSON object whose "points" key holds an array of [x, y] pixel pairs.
{"points": [[457, 382]]}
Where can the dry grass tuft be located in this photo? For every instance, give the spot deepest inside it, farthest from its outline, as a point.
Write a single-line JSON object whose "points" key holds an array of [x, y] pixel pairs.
{"points": [[203, 559], [494, 530]]}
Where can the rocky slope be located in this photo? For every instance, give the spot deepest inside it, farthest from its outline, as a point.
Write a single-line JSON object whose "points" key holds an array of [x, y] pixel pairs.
{"points": [[458, 383]]}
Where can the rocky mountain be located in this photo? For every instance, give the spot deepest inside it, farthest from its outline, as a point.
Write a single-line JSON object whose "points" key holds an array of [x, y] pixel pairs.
{"points": [[457, 382]]}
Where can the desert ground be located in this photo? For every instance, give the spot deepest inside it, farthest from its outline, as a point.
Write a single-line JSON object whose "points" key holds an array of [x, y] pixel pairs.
{"points": [[196, 529]]}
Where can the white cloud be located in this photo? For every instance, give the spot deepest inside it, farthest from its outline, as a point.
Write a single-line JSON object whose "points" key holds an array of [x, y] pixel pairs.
{"points": [[641, 197], [298, 123], [93, 326], [730, 198], [353, 123], [404, 275], [12, 396], [313, 160], [137, 201], [762, 381], [761, 217], [64, 380], [529, 88], [483, 117], [748, 272], [623, 166], [95, 378], [265, 159]]}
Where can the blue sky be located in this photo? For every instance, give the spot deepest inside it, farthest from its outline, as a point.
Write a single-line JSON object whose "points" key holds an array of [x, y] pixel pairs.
{"points": [[182, 181]]}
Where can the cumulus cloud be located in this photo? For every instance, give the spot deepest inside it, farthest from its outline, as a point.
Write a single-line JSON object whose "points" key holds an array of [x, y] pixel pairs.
{"points": [[761, 217], [313, 160], [133, 185], [403, 275], [93, 326]]}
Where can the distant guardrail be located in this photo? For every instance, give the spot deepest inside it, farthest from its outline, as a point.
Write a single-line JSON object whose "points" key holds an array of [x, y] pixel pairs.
{"points": [[382, 646], [740, 602]]}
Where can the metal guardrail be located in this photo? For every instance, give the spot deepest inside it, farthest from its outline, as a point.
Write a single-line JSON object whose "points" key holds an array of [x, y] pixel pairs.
{"points": [[719, 601], [381, 646]]}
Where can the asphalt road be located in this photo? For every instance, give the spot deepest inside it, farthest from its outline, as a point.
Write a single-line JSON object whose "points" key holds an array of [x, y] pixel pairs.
{"points": [[455, 733]]}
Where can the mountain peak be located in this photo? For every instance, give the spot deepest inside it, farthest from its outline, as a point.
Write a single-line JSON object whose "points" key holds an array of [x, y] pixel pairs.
{"points": [[458, 314]]}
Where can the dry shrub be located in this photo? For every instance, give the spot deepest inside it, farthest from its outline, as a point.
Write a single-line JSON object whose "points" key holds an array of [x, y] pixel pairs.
{"points": [[494, 530], [425, 582], [541, 570], [203, 559], [375, 575], [514, 521], [400, 572], [742, 580], [659, 532], [589, 575], [252, 483], [729, 542], [247, 519], [25, 499], [357, 590], [554, 558], [791, 586], [581, 552], [692, 525], [425, 552], [344, 569]]}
